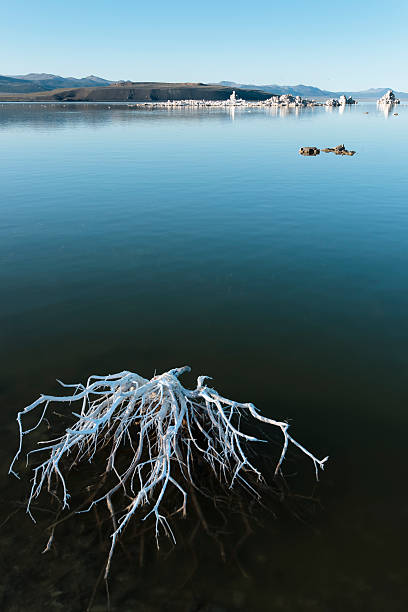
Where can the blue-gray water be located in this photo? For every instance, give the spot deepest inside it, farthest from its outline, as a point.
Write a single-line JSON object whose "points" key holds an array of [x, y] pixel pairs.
{"points": [[146, 240]]}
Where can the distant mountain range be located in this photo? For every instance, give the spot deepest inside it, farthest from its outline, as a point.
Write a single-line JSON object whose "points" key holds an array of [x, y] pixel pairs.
{"points": [[33, 82], [307, 91], [43, 82]]}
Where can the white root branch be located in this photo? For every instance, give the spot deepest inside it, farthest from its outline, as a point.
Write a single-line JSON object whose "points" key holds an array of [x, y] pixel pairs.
{"points": [[164, 427]]}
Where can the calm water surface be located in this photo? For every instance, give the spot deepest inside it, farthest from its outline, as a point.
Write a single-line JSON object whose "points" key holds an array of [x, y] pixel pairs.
{"points": [[146, 240]]}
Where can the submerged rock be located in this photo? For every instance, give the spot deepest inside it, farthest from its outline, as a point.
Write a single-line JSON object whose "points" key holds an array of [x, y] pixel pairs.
{"points": [[309, 151]]}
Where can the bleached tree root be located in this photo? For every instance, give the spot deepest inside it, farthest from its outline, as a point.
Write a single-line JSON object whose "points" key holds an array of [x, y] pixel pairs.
{"points": [[156, 431]]}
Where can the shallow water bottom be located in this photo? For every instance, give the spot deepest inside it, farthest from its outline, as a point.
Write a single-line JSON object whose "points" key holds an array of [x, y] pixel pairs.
{"points": [[147, 241]]}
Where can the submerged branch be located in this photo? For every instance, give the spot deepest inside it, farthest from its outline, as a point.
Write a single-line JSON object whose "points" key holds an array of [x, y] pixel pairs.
{"points": [[156, 432]]}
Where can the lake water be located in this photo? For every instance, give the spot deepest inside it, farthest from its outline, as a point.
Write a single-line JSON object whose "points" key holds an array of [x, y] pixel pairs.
{"points": [[146, 240]]}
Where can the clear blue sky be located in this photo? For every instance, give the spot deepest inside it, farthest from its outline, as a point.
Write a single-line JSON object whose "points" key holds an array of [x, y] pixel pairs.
{"points": [[333, 45]]}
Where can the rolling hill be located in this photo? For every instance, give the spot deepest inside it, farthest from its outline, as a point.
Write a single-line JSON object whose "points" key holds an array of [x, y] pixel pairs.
{"points": [[137, 92]]}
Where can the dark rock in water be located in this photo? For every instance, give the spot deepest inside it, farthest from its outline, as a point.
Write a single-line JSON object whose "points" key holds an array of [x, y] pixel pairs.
{"points": [[309, 151], [342, 151], [338, 150]]}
